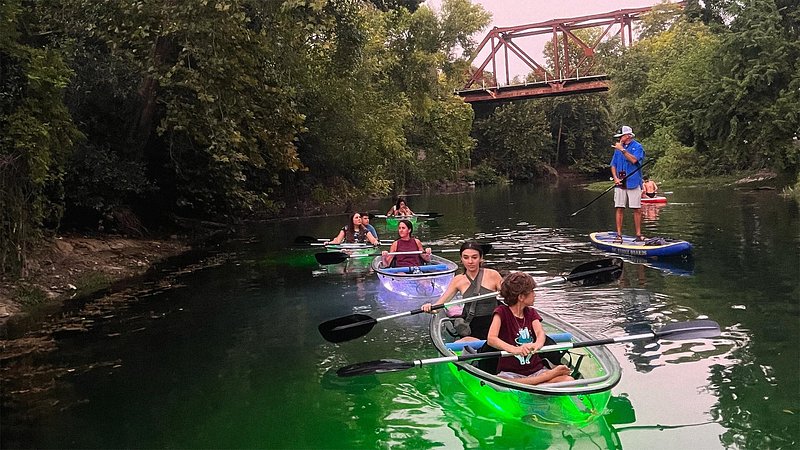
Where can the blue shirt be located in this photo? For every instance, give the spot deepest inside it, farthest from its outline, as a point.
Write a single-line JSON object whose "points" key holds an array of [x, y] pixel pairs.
{"points": [[371, 229], [623, 165]]}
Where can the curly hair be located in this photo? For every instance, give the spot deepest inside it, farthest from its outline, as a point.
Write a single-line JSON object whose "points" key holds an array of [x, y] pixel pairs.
{"points": [[514, 285]]}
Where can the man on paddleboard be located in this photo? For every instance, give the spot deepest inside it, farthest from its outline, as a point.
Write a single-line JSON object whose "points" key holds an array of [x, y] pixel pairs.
{"points": [[628, 157]]}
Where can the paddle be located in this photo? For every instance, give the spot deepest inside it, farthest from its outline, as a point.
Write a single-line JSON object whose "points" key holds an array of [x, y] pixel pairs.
{"points": [[350, 327], [340, 257], [311, 240], [610, 188], [693, 329], [427, 215]]}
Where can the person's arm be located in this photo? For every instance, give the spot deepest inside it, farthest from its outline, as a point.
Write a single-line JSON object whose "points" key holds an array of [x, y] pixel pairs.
{"points": [[493, 281], [655, 186], [540, 335], [387, 258], [339, 238], [390, 212], [449, 293], [493, 338], [426, 253], [372, 239]]}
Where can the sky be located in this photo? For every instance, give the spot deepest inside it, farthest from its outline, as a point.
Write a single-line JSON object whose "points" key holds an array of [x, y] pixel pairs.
{"points": [[520, 12]]}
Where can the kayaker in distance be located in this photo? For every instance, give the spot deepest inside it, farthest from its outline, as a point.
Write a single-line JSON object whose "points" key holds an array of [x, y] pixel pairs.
{"points": [[627, 158], [354, 232], [649, 187], [473, 323], [406, 243], [400, 208], [517, 328], [365, 216]]}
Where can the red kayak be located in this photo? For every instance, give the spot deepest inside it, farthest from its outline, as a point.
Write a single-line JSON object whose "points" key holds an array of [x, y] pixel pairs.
{"points": [[656, 199]]}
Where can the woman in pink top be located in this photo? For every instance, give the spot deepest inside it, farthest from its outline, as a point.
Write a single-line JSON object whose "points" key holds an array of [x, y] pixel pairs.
{"points": [[406, 243]]}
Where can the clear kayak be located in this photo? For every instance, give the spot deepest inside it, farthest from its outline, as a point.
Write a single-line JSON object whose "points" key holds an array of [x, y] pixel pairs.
{"points": [[579, 402], [425, 281]]}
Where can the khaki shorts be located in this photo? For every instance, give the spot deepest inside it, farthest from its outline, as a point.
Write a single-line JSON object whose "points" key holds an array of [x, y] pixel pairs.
{"points": [[633, 197]]}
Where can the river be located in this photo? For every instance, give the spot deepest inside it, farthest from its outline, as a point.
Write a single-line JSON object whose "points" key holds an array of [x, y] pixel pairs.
{"points": [[229, 356]]}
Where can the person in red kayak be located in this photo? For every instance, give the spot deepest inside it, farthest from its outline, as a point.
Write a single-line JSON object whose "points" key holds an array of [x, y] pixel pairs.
{"points": [[649, 187], [517, 328]]}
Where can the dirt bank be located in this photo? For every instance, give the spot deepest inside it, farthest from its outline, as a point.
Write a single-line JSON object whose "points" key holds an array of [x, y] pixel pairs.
{"points": [[71, 265]]}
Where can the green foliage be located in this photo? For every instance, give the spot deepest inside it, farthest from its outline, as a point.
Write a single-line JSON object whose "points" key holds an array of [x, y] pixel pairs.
{"points": [[30, 296], [484, 174], [673, 160], [36, 135], [729, 93], [516, 140]]}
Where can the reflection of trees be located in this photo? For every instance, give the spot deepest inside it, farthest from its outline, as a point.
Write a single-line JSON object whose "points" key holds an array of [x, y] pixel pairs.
{"points": [[758, 409]]}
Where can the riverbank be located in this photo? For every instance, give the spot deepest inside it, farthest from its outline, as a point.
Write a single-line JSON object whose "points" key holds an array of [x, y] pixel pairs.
{"points": [[70, 266]]}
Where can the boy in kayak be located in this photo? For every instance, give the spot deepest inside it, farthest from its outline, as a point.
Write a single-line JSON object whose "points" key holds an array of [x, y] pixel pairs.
{"points": [[365, 216], [473, 323], [517, 328], [649, 187]]}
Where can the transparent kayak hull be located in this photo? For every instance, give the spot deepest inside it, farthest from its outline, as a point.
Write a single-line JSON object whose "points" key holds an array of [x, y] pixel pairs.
{"points": [[417, 282], [578, 402]]}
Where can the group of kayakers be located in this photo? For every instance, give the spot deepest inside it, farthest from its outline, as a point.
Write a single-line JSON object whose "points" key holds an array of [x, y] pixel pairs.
{"points": [[512, 325], [357, 230]]}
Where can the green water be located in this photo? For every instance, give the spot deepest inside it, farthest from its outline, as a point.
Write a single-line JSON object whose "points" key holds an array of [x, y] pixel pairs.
{"points": [[230, 357]]}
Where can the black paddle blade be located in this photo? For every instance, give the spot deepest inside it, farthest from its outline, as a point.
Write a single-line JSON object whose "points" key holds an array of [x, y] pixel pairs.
{"points": [[693, 329], [597, 272], [374, 367], [331, 257], [302, 240], [346, 328]]}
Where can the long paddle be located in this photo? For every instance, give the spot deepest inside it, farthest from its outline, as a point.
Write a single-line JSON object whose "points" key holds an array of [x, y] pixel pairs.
{"points": [[693, 329], [353, 326], [311, 240], [340, 257], [427, 215], [610, 188]]}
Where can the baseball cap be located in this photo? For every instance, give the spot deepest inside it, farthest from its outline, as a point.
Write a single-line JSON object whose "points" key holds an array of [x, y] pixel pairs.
{"points": [[624, 130]]}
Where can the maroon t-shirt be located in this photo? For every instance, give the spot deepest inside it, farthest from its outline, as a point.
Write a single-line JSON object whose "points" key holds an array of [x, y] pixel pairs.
{"points": [[517, 331]]}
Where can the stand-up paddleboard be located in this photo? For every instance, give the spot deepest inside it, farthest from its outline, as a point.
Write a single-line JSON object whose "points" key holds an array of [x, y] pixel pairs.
{"points": [[655, 200], [649, 248]]}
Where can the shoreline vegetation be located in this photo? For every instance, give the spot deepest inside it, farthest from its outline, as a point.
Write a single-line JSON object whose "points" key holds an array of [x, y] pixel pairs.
{"points": [[74, 266]]}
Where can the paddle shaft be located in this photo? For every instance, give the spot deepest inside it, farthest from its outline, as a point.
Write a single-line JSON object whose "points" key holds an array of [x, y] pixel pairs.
{"points": [[711, 328], [610, 188], [560, 279]]}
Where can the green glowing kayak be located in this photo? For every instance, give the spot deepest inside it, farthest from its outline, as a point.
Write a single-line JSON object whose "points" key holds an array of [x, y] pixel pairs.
{"points": [[577, 402], [393, 221]]}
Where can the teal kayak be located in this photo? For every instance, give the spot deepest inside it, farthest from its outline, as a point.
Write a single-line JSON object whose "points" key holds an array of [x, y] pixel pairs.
{"points": [[579, 402]]}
